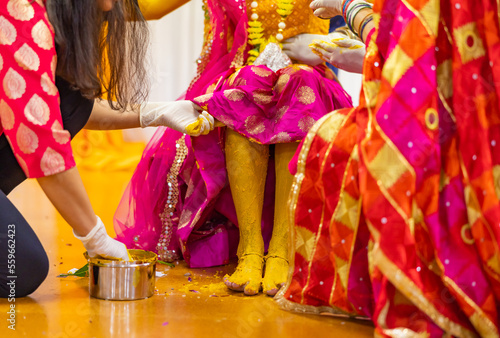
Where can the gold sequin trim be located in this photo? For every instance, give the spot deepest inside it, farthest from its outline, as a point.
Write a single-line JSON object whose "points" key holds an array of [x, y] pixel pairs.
{"points": [[164, 253]]}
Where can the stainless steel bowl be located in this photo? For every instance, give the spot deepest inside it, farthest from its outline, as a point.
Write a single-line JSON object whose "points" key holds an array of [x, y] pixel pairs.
{"points": [[120, 280]]}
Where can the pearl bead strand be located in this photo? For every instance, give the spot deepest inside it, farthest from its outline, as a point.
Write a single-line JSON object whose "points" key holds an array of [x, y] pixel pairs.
{"points": [[285, 8], [255, 30]]}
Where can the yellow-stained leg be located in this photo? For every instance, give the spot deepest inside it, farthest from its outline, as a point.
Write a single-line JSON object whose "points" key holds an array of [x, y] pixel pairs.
{"points": [[246, 164], [277, 257]]}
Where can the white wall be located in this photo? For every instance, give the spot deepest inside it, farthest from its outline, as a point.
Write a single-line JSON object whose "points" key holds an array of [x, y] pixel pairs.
{"points": [[352, 84], [176, 42]]}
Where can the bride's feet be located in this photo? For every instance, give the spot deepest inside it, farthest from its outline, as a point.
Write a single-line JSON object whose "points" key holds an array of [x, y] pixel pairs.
{"points": [[248, 275], [275, 274]]}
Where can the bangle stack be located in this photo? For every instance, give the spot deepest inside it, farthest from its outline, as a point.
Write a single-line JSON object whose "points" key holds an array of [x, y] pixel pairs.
{"points": [[351, 8], [364, 23], [344, 7]]}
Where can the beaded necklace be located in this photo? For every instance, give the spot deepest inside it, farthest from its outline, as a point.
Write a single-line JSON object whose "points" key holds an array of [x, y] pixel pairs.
{"points": [[256, 32]]}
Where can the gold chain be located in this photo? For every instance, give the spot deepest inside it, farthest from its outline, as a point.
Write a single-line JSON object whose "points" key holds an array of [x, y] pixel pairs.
{"points": [[164, 253]]}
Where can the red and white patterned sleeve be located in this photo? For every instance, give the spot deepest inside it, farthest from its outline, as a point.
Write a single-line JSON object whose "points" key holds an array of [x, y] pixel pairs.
{"points": [[30, 115]]}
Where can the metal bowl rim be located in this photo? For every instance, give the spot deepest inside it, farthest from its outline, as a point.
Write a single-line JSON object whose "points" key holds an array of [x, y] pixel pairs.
{"points": [[135, 264], [102, 262]]}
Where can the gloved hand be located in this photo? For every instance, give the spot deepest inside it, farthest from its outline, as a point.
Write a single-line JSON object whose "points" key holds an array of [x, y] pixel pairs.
{"points": [[183, 116], [344, 53], [326, 9], [98, 243], [297, 47]]}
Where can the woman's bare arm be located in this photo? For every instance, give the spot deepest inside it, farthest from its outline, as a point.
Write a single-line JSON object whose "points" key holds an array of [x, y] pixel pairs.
{"points": [[66, 192], [105, 118]]}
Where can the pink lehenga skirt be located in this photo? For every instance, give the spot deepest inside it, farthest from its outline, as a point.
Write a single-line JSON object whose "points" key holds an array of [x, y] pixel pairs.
{"points": [[179, 201]]}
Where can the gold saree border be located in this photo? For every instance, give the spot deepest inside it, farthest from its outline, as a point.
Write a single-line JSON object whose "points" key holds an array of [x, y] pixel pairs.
{"points": [[478, 319], [498, 10], [405, 285], [440, 92], [318, 234], [476, 200], [288, 305], [280, 298], [372, 121], [355, 231], [400, 332], [389, 269], [292, 203], [397, 332], [420, 17]]}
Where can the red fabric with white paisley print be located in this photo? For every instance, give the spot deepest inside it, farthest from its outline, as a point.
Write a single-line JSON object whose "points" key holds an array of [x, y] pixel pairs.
{"points": [[30, 115]]}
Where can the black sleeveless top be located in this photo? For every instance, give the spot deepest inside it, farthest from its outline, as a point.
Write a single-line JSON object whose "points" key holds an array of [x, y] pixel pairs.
{"points": [[75, 111]]}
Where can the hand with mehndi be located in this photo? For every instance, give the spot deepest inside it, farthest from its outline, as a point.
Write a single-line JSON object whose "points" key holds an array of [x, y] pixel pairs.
{"points": [[344, 53], [326, 9]]}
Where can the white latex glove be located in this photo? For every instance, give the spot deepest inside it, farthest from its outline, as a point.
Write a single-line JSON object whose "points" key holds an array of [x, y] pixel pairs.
{"points": [[326, 9], [297, 47], [344, 53], [98, 243], [183, 116]]}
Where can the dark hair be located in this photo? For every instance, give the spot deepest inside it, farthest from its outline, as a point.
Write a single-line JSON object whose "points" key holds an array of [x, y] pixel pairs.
{"points": [[102, 53]]}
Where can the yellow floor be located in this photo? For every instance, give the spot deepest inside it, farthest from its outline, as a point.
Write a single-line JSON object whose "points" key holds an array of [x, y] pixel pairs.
{"points": [[61, 307]]}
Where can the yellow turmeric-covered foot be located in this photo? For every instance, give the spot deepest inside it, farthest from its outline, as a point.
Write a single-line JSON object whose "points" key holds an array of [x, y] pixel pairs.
{"points": [[275, 274], [248, 275]]}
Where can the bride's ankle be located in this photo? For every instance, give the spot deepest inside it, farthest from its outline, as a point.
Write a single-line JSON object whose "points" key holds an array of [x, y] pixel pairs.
{"points": [[279, 256]]}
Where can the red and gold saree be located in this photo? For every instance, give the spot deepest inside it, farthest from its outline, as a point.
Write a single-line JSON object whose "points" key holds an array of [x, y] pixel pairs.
{"points": [[395, 207]]}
